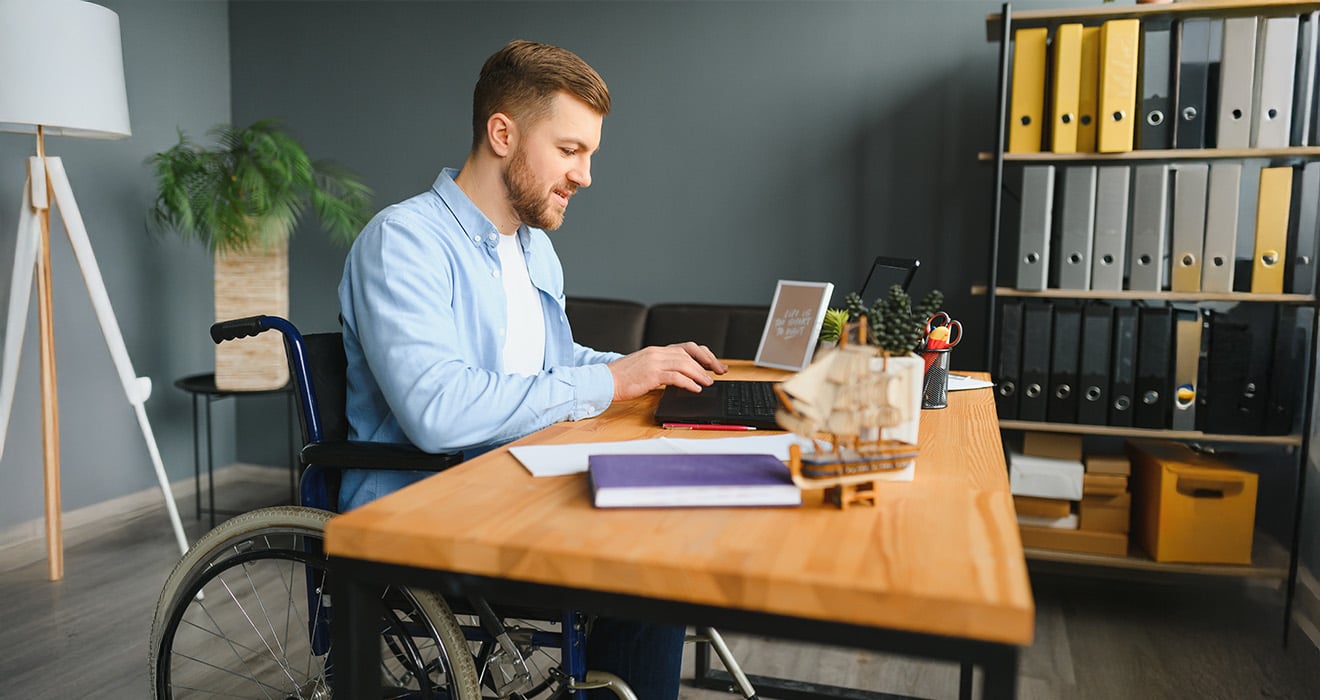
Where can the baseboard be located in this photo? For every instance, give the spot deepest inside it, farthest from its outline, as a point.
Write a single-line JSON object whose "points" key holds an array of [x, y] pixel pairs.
{"points": [[1306, 605], [25, 543]]}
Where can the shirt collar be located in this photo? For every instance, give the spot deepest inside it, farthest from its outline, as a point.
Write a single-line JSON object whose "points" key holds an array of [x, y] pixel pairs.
{"points": [[476, 226]]}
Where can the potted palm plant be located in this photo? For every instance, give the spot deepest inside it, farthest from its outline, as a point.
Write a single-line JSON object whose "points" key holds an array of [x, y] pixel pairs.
{"points": [[242, 198]]}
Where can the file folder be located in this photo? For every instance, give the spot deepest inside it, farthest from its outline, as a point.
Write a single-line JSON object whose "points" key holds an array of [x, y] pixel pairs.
{"points": [[1156, 130], [1299, 275], [1221, 222], [1188, 226], [1193, 81], [1061, 406], [1304, 80], [1150, 202], [1037, 320], [1027, 101], [1088, 90], [1292, 345], [1276, 59], [1212, 81], [1109, 255], [1119, 39], [1237, 79], [1076, 222], [1271, 230], [1010, 360], [1123, 367], [1154, 369], [1234, 396], [1034, 227], [1067, 82], [1093, 365], [1186, 368]]}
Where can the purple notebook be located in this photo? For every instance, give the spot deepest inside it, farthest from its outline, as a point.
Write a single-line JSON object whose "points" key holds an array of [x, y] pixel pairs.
{"points": [[688, 480]]}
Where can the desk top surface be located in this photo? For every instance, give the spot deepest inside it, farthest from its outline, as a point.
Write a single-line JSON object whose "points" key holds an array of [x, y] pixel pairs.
{"points": [[938, 555]]}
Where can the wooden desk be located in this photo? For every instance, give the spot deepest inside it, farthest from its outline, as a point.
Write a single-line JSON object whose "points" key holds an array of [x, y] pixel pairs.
{"points": [[936, 569]]}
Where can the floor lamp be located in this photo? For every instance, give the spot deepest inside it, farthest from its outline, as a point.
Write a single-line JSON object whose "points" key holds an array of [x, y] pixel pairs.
{"points": [[62, 74]]}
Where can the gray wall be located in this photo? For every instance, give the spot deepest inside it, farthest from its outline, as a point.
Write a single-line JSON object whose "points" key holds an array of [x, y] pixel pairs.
{"points": [[176, 61]]}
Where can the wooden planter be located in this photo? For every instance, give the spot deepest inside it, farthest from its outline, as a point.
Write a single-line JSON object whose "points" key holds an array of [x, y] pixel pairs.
{"points": [[250, 283]]}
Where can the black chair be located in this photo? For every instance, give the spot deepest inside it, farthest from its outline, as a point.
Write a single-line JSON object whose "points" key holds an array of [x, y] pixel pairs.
{"points": [[730, 331], [613, 325]]}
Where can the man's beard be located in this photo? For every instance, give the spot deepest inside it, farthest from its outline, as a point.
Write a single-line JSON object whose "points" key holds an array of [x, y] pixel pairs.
{"points": [[530, 203]]}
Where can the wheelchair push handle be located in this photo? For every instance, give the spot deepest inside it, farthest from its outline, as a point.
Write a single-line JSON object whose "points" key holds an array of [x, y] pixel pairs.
{"points": [[239, 328]]}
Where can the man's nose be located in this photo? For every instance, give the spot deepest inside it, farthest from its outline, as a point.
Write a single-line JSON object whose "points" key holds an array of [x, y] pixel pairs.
{"points": [[581, 175]]}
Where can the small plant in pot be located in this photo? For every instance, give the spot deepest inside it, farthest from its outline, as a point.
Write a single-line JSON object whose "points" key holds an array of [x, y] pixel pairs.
{"points": [[891, 322], [242, 198]]}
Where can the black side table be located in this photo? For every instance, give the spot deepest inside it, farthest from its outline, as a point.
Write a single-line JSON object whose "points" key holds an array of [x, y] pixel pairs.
{"points": [[202, 386]]}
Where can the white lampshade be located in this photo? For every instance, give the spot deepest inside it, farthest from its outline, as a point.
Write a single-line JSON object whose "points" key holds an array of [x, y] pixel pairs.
{"points": [[62, 68]]}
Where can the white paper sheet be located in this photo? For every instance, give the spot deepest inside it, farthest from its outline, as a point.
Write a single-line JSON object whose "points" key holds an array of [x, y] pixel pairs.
{"points": [[557, 460]]}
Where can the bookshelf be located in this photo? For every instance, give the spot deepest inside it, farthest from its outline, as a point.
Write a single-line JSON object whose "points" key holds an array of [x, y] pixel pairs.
{"points": [[1272, 559]]}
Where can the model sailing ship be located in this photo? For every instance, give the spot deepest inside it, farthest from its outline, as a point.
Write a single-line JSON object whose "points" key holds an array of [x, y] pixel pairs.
{"points": [[843, 402]]}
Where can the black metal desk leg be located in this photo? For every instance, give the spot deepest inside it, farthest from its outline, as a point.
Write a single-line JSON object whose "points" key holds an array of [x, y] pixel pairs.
{"points": [[356, 651], [1000, 674], [965, 680], [197, 462], [210, 463]]}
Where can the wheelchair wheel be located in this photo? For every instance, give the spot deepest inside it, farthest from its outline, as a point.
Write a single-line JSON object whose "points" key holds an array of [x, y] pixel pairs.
{"points": [[537, 641], [259, 628]]}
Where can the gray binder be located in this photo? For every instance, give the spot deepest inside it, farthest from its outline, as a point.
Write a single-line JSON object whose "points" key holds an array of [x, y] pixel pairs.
{"points": [[1156, 128], [1276, 58], [1300, 275], [1109, 254], [1150, 205], [1077, 202], [1304, 85], [1034, 227], [1237, 78], [1193, 82], [1189, 183], [1221, 222]]}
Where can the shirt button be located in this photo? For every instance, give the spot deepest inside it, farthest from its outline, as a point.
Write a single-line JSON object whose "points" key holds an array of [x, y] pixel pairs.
{"points": [[490, 236], [495, 273]]}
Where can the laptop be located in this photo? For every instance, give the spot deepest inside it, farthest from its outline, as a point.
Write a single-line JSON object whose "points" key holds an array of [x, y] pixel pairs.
{"points": [[788, 341]]}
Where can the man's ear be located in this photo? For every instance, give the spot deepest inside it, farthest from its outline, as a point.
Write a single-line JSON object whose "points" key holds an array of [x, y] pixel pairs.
{"points": [[502, 133]]}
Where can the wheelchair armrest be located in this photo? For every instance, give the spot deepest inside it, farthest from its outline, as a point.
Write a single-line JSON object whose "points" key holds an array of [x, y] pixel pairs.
{"points": [[354, 454]]}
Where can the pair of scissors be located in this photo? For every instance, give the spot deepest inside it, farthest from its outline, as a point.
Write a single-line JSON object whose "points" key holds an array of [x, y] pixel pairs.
{"points": [[942, 331]]}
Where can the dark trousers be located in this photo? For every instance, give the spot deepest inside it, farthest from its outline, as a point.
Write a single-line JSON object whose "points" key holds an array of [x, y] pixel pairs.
{"points": [[647, 656]]}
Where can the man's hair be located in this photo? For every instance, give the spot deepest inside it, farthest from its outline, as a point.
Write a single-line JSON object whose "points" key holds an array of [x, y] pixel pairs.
{"points": [[521, 80]]}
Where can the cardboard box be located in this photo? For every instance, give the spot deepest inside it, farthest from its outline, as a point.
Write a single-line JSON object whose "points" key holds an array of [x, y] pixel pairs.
{"points": [[1052, 445], [1104, 484], [1108, 464], [1191, 507], [1106, 513], [1074, 540], [1045, 477], [1042, 507], [1067, 522]]}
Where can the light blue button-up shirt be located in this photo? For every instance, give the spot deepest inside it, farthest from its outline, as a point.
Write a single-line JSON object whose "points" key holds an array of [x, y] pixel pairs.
{"points": [[424, 324]]}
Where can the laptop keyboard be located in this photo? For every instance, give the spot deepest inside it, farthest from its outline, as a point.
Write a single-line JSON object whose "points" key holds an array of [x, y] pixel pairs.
{"points": [[748, 398]]}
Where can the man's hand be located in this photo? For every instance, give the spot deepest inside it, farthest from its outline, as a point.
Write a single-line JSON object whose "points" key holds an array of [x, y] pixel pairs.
{"points": [[682, 364]]}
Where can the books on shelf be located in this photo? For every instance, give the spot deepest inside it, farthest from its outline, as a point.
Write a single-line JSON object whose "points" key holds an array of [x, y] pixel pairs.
{"points": [[690, 480]]}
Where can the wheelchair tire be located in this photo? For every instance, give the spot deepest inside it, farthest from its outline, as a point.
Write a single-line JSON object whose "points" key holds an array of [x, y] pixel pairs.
{"points": [[259, 628]]}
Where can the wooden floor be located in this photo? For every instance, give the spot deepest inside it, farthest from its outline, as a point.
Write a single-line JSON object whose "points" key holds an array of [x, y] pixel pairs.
{"points": [[86, 636]]}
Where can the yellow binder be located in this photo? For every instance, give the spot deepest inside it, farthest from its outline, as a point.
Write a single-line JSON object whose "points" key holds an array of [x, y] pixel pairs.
{"points": [[1271, 230], [1067, 77], [1027, 102], [1088, 87], [1118, 84]]}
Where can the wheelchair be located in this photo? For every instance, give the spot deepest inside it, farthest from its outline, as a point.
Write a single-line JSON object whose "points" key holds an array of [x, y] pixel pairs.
{"points": [[246, 612]]}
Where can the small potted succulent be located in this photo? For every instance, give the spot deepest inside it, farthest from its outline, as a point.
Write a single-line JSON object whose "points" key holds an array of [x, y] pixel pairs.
{"points": [[242, 198]]}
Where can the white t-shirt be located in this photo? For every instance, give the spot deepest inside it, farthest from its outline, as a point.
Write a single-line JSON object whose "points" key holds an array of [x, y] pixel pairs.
{"points": [[524, 337]]}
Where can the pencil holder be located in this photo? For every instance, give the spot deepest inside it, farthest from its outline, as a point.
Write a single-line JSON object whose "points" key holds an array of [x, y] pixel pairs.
{"points": [[935, 387]]}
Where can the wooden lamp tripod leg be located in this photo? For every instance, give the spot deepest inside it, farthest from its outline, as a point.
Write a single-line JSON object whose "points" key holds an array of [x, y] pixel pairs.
{"points": [[50, 412]]}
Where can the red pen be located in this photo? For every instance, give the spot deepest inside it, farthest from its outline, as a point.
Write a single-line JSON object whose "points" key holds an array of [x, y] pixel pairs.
{"points": [[705, 426]]}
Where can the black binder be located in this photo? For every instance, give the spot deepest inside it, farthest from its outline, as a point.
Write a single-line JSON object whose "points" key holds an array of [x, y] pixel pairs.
{"points": [[1157, 118], [1292, 344], [1192, 83], [1235, 396], [1009, 367], [1035, 377], [1123, 367], [1154, 387], [1093, 367], [1061, 406]]}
